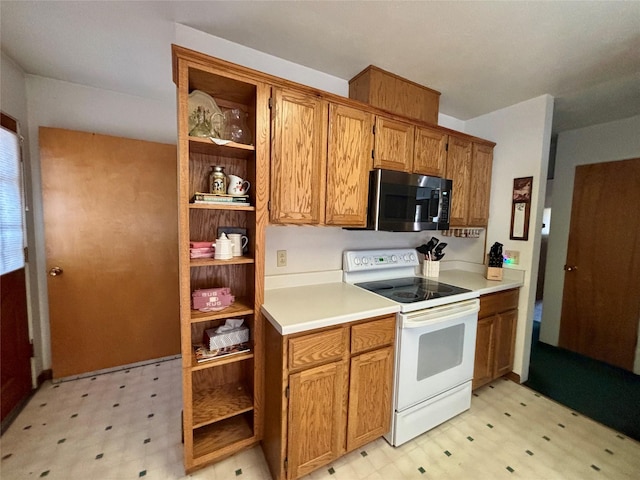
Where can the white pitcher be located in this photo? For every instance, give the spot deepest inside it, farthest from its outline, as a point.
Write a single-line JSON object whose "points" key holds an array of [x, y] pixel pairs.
{"points": [[223, 248]]}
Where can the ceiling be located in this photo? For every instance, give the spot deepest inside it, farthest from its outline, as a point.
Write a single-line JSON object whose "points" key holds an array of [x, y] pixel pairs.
{"points": [[482, 56]]}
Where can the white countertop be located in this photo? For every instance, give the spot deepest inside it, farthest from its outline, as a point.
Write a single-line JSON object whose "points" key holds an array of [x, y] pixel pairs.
{"points": [[301, 302], [298, 309]]}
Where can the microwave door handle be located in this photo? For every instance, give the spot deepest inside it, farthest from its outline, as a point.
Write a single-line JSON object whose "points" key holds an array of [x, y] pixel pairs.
{"points": [[440, 314]]}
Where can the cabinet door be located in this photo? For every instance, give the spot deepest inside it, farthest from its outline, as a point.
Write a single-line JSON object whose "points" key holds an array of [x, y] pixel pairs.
{"points": [[505, 342], [317, 414], [480, 185], [298, 157], [485, 345], [459, 170], [393, 145], [348, 164], [370, 390], [430, 152]]}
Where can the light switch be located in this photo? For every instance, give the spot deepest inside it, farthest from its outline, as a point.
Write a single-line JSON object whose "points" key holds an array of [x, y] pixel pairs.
{"points": [[282, 258]]}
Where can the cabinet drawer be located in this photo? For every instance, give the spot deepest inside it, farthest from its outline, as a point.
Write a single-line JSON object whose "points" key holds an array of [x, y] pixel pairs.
{"points": [[498, 302], [374, 334], [317, 348]]}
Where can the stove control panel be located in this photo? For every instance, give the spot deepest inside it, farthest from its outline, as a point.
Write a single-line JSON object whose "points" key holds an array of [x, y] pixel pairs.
{"points": [[366, 260]]}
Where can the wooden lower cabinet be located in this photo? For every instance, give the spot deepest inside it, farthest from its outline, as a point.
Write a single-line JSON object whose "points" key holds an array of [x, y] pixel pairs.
{"points": [[328, 392], [495, 337]]}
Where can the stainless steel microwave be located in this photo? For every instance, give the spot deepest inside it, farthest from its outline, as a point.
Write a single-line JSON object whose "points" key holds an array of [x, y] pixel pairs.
{"points": [[406, 202]]}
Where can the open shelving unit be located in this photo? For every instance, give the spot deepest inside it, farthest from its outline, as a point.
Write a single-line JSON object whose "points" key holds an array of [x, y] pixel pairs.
{"points": [[221, 397]]}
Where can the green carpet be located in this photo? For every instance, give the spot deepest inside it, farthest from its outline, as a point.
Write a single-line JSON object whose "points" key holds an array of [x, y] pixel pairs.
{"points": [[607, 394]]}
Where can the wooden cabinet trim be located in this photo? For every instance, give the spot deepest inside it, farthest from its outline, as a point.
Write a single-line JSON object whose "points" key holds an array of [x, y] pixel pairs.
{"points": [[317, 348], [373, 334], [497, 302]]}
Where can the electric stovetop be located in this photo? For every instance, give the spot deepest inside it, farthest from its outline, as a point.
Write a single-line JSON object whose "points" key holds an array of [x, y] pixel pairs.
{"points": [[411, 289]]}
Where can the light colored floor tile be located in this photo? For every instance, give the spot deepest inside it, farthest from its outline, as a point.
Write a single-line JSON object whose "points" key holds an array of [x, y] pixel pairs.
{"points": [[126, 425]]}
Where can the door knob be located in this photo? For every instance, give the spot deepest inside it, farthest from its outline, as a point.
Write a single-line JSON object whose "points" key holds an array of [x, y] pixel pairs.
{"points": [[55, 271], [570, 268]]}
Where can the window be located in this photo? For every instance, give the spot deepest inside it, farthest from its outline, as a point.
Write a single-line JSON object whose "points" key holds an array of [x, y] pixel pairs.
{"points": [[11, 199]]}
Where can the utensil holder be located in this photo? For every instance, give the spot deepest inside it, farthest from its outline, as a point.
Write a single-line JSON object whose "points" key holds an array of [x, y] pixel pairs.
{"points": [[430, 268]]}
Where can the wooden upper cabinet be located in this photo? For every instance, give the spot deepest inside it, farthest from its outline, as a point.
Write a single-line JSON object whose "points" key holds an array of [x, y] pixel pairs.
{"points": [[430, 152], [393, 145], [459, 170], [298, 157], [480, 186], [350, 142]]}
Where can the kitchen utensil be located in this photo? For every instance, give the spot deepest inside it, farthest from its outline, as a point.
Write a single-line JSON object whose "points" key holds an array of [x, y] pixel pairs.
{"points": [[438, 257], [423, 249], [438, 250]]}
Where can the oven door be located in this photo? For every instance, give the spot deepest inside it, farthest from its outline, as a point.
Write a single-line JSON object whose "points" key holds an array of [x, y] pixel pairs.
{"points": [[435, 352]]}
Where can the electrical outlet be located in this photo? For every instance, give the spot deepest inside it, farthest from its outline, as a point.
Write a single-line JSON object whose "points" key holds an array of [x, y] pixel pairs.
{"points": [[511, 257], [282, 258]]}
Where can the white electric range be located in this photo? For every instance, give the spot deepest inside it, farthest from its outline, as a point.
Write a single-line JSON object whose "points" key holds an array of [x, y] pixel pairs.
{"points": [[435, 341]]}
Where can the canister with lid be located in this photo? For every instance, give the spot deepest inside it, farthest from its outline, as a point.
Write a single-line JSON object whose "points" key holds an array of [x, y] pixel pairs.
{"points": [[217, 180]]}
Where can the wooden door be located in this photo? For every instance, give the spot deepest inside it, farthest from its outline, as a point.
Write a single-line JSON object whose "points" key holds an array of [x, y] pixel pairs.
{"points": [[600, 304], [506, 323], [430, 152], [16, 348], [110, 216], [480, 185], [459, 170], [298, 158], [348, 165], [317, 409], [485, 347], [393, 145], [370, 390]]}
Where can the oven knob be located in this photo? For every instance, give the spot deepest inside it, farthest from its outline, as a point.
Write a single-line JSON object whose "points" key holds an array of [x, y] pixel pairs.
{"points": [[394, 258], [365, 260], [356, 260], [406, 257], [412, 257]]}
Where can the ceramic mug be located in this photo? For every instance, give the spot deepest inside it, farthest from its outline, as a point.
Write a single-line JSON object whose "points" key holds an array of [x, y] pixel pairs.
{"points": [[237, 185], [239, 242]]}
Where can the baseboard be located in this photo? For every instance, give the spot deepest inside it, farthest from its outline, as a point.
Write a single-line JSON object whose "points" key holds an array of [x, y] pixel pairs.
{"points": [[44, 376], [514, 377]]}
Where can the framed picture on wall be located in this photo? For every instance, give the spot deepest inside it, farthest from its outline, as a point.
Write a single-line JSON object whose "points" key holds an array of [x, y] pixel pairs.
{"points": [[521, 208]]}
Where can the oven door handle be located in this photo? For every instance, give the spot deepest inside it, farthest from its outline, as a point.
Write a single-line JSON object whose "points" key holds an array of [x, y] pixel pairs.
{"points": [[440, 314]]}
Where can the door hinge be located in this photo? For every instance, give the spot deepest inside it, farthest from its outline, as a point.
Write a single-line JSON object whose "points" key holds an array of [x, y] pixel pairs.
{"points": [[270, 102], [373, 154], [269, 206], [31, 349], [446, 147], [286, 465], [286, 391], [374, 129], [26, 254]]}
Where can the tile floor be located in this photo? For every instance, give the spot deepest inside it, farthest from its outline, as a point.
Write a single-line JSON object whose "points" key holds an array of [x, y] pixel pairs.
{"points": [[126, 425]]}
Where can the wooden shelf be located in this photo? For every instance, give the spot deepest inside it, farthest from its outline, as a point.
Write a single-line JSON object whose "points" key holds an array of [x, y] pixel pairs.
{"points": [[222, 206], [238, 357], [219, 403], [239, 307], [217, 436], [231, 149], [208, 262]]}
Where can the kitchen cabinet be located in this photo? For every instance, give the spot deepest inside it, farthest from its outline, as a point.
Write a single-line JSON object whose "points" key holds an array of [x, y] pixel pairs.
{"points": [[394, 142], [329, 393], [430, 152], [495, 336], [469, 166], [298, 157], [320, 161], [221, 397]]}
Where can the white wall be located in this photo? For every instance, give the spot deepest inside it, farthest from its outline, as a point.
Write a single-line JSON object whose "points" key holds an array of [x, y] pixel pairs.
{"points": [[13, 102], [522, 133], [606, 142]]}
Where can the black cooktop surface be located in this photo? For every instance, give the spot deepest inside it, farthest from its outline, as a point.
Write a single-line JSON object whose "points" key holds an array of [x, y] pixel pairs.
{"points": [[411, 289]]}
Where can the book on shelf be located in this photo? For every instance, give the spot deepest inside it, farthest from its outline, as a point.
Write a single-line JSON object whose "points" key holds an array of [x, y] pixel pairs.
{"points": [[203, 354], [200, 197]]}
